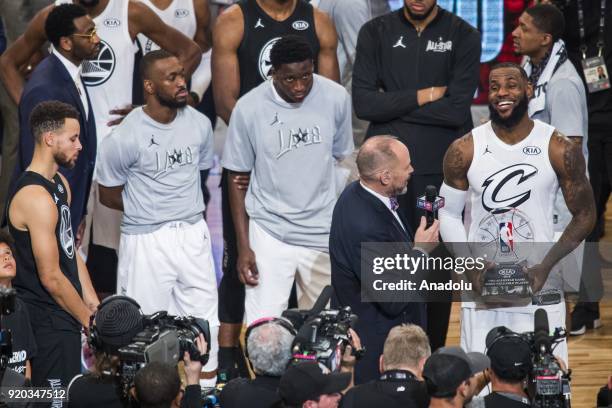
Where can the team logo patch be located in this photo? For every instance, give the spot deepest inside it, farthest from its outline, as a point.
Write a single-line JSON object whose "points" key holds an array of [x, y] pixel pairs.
{"points": [[264, 58], [98, 70], [181, 13], [532, 150], [66, 237], [112, 22], [300, 25], [503, 189]]}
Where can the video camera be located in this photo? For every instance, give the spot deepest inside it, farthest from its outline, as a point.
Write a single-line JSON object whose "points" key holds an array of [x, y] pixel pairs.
{"points": [[7, 306], [549, 386], [164, 339], [322, 335]]}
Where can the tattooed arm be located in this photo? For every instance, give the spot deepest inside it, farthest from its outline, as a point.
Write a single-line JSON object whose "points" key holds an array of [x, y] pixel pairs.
{"points": [[568, 162], [457, 161]]}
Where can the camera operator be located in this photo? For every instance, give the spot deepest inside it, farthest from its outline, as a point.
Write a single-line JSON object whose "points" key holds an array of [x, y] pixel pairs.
{"points": [[311, 385], [18, 321], [401, 366], [268, 349], [511, 364], [116, 322], [158, 385], [449, 375]]}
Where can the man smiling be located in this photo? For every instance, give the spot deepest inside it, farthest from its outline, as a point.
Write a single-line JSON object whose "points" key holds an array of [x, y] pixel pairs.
{"points": [[286, 133]]}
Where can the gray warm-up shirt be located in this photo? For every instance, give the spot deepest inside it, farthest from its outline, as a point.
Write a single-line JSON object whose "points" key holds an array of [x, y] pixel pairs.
{"points": [[290, 150], [159, 165]]}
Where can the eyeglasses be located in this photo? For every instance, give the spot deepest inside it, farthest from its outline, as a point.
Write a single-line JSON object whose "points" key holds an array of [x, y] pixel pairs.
{"points": [[90, 36]]}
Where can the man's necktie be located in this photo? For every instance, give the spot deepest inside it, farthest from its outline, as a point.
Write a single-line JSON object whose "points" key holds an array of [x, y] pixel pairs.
{"points": [[394, 203]]}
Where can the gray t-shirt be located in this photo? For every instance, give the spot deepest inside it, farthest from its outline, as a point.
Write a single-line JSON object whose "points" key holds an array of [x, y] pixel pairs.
{"points": [[159, 166], [290, 150], [566, 110]]}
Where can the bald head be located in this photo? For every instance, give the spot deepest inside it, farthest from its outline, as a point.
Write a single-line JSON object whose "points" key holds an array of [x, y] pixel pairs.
{"points": [[377, 154]]}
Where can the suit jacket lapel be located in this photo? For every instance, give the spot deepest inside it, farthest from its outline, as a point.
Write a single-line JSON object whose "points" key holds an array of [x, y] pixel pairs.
{"points": [[406, 234], [71, 86]]}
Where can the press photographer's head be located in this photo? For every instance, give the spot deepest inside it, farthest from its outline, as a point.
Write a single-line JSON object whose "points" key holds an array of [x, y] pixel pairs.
{"points": [[406, 348], [157, 385], [510, 357], [116, 322], [448, 374], [268, 346], [8, 267], [312, 385]]}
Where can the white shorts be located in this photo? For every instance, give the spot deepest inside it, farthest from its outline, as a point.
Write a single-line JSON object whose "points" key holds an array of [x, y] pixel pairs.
{"points": [[172, 269], [476, 324], [277, 263]]}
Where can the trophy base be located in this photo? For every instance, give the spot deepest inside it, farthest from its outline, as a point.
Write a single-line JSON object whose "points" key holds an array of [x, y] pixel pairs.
{"points": [[506, 284]]}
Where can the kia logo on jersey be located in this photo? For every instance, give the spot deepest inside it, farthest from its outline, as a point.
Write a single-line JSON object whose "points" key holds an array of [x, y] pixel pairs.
{"points": [[181, 13], [532, 150], [112, 22], [505, 189], [300, 25]]}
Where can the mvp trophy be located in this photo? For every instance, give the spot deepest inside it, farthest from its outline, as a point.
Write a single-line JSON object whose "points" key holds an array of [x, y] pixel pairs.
{"points": [[505, 237]]}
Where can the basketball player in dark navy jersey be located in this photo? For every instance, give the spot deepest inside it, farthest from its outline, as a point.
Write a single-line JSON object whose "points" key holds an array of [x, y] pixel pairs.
{"points": [[52, 281], [242, 39]]}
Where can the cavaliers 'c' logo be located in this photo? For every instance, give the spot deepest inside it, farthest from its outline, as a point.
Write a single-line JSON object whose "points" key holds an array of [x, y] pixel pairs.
{"points": [[505, 189], [99, 69], [264, 58]]}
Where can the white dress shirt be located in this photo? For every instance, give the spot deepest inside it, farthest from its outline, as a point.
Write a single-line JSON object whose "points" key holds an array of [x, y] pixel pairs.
{"points": [[75, 73]]}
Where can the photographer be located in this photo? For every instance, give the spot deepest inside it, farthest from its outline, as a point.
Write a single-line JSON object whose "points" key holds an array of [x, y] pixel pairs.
{"points": [[158, 385], [18, 321], [401, 366], [449, 375], [116, 322], [311, 385], [511, 364], [268, 349]]}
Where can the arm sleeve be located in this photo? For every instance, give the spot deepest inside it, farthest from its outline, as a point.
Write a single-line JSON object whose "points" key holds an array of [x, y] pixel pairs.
{"points": [[565, 106], [368, 100], [450, 216], [117, 155], [202, 76], [343, 139], [450, 110], [238, 152], [206, 148]]}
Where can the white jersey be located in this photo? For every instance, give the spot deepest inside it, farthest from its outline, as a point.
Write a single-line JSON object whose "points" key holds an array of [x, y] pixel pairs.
{"points": [[512, 187], [108, 76], [180, 15]]}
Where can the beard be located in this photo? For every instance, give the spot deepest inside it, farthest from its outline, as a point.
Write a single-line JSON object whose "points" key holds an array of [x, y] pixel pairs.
{"points": [[515, 117], [419, 16], [170, 102], [63, 161]]}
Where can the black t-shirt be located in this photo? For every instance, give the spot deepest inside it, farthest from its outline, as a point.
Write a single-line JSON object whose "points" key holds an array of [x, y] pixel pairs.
{"points": [[261, 32], [258, 393], [392, 392], [23, 341]]}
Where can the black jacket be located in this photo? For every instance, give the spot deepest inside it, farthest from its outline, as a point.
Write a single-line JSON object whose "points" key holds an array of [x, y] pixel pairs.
{"points": [[390, 393], [393, 62], [361, 217], [258, 393]]}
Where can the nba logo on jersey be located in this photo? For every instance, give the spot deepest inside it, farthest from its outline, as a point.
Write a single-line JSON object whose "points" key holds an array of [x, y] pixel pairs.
{"points": [[506, 240]]}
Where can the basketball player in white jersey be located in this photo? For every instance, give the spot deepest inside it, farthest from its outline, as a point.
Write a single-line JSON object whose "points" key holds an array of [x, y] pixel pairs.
{"points": [[513, 163], [192, 18]]}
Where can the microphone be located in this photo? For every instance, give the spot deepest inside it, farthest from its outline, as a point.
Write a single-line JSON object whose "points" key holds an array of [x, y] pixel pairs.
{"points": [[540, 331], [430, 203]]}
